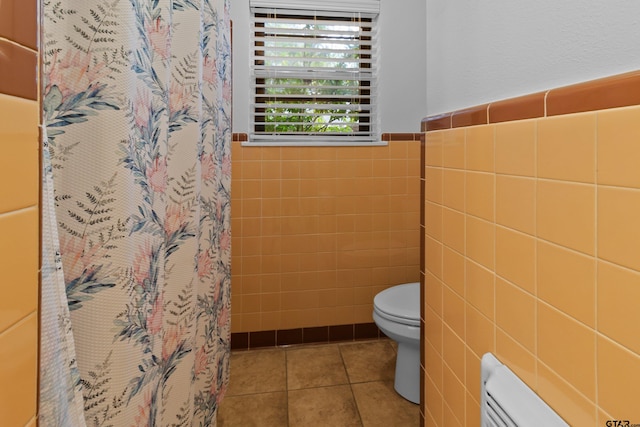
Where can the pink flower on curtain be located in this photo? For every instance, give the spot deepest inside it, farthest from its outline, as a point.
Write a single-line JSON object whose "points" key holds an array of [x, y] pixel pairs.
{"points": [[176, 217], [173, 336], [225, 241], [226, 91], [201, 360], [221, 392], [142, 263], [74, 72], [159, 34], [157, 175], [204, 264], [210, 70], [142, 108], [226, 166], [77, 258], [208, 168], [179, 95], [144, 411], [154, 321]]}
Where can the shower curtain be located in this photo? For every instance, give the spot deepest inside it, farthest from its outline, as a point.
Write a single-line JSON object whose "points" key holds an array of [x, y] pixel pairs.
{"points": [[135, 312]]}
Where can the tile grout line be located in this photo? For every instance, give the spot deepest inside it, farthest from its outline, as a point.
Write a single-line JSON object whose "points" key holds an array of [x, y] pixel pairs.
{"points": [[18, 45]]}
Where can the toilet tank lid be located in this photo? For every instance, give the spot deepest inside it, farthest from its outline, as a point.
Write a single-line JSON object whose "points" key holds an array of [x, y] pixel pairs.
{"points": [[401, 301]]}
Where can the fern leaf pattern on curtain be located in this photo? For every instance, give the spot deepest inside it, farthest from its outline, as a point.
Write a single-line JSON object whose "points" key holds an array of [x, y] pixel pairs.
{"points": [[137, 107]]}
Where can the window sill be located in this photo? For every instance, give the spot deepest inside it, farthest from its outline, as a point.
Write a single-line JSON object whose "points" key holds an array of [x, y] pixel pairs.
{"points": [[314, 144]]}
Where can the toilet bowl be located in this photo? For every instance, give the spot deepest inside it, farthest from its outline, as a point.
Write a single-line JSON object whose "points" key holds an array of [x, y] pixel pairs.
{"points": [[396, 311]]}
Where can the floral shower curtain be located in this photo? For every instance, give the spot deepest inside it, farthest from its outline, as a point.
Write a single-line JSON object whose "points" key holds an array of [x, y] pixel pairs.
{"points": [[136, 212]]}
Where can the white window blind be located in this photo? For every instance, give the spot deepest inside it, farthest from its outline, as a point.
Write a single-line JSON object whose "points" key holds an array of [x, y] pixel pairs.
{"points": [[314, 73], [354, 6]]}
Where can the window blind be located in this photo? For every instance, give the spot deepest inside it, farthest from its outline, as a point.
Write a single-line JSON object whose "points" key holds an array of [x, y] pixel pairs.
{"points": [[313, 75], [354, 6]]}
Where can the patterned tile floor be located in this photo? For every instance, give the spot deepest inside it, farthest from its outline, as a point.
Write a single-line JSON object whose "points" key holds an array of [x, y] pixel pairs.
{"points": [[328, 385]]}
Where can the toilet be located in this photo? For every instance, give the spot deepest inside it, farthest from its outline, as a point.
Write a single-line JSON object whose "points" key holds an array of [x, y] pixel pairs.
{"points": [[396, 311]]}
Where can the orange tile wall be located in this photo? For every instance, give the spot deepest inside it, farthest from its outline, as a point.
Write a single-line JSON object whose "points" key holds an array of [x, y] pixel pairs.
{"points": [[318, 231], [532, 252], [19, 223]]}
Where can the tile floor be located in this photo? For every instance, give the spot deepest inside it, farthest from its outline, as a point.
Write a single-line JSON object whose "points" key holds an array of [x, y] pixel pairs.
{"points": [[328, 385]]}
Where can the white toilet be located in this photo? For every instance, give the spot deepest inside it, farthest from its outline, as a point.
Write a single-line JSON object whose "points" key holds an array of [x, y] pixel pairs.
{"points": [[396, 311]]}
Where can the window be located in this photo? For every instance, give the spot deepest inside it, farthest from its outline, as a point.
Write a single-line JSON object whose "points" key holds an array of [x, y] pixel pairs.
{"points": [[313, 77]]}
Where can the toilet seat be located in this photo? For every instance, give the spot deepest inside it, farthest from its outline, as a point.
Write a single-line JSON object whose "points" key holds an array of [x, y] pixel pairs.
{"points": [[400, 304], [396, 319]]}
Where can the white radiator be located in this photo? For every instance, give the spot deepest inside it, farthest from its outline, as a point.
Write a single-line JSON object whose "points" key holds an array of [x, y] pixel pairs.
{"points": [[508, 402]]}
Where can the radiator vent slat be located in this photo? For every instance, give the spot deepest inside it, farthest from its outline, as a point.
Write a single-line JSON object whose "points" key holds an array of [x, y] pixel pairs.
{"points": [[497, 414], [508, 402], [494, 419]]}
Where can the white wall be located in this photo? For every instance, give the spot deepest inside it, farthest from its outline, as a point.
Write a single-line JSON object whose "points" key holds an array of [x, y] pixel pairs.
{"points": [[402, 93], [483, 51]]}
